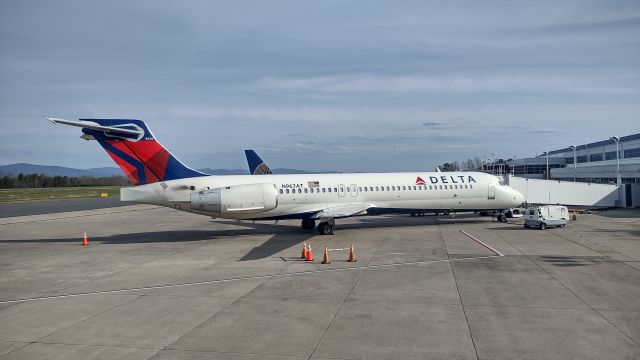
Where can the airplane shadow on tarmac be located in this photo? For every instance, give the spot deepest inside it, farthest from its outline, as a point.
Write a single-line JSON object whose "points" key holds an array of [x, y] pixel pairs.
{"points": [[283, 236]]}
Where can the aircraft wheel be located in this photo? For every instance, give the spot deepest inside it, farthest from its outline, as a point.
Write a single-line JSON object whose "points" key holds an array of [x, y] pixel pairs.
{"points": [[327, 229], [502, 218], [308, 224], [321, 227]]}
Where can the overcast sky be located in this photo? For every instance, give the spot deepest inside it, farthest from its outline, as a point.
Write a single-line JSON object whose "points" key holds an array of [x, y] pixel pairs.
{"points": [[326, 85]]}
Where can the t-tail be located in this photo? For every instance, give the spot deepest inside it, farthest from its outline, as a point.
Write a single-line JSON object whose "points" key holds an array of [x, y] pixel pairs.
{"points": [[256, 165], [134, 148]]}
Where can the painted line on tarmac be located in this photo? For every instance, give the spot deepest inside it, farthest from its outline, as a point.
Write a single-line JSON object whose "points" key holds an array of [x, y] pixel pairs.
{"points": [[483, 244], [157, 287]]}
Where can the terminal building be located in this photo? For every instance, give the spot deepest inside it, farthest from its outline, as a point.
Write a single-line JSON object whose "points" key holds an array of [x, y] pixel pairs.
{"points": [[594, 162], [600, 162]]}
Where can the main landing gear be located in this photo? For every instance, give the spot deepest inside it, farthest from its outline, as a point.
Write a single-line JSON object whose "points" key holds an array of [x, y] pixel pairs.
{"points": [[326, 227], [308, 224]]}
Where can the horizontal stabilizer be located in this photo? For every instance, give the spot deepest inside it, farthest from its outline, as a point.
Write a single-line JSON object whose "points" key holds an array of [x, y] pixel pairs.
{"points": [[95, 126]]}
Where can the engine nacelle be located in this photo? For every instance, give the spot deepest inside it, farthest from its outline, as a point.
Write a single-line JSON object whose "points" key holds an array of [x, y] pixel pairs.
{"points": [[249, 198]]}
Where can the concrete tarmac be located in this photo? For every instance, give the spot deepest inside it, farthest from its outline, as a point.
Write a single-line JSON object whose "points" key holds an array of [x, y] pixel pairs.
{"points": [[155, 283], [25, 208]]}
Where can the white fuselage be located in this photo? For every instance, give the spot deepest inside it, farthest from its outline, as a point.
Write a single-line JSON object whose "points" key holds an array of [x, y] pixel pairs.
{"points": [[299, 195]]}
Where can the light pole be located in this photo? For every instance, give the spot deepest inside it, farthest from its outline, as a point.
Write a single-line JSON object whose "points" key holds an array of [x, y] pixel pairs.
{"points": [[547, 154], [575, 162], [617, 140]]}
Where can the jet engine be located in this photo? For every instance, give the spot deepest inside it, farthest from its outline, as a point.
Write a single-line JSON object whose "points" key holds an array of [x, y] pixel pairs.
{"points": [[249, 198]]}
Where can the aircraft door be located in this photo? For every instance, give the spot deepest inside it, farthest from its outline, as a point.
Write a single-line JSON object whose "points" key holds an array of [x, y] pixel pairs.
{"points": [[354, 190], [341, 190], [492, 191]]}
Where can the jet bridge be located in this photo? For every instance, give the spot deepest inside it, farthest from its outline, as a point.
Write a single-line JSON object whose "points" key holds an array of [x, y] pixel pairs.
{"points": [[537, 191]]}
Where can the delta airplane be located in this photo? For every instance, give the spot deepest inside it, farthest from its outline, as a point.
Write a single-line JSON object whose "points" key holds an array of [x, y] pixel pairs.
{"points": [[161, 179]]}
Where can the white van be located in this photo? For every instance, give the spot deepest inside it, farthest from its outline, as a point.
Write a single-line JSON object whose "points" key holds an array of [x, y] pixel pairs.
{"points": [[546, 215]]}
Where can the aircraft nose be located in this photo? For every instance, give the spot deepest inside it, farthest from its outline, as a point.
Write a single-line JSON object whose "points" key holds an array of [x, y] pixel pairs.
{"points": [[518, 197]]}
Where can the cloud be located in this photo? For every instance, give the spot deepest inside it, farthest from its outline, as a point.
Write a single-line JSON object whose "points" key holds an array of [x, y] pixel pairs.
{"points": [[371, 83]]}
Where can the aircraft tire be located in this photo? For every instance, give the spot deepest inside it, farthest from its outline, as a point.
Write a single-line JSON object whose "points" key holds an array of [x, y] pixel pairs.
{"points": [[308, 224]]}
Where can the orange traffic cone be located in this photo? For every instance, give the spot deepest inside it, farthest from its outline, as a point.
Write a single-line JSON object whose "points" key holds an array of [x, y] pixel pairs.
{"points": [[325, 257], [303, 255], [85, 240], [352, 254], [575, 217], [309, 253]]}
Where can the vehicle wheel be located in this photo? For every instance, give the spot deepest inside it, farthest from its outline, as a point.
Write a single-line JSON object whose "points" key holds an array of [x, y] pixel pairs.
{"points": [[308, 224], [501, 218], [543, 226], [327, 229], [562, 225], [526, 226]]}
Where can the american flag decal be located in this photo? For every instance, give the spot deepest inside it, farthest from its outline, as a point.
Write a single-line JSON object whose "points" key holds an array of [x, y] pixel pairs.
{"points": [[314, 184]]}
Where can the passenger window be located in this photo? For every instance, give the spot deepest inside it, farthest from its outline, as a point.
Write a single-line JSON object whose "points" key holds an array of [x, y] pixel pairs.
{"points": [[306, 191], [280, 191], [328, 189], [393, 188], [287, 191], [440, 187], [455, 186], [359, 188], [324, 190], [335, 189], [370, 188], [470, 186], [381, 188], [377, 189], [414, 187], [430, 187], [299, 191], [387, 188]]}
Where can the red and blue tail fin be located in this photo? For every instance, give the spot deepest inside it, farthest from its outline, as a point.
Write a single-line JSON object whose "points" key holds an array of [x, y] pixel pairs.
{"points": [[134, 148]]}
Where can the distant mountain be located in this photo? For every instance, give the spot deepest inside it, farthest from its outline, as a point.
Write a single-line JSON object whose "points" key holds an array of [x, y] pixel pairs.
{"points": [[246, 172], [224, 171], [25, 168]]}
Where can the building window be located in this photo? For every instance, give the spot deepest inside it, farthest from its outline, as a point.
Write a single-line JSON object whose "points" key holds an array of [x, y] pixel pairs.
{"points": [[582, 159], [610, 155], [631, 153], [595, 157]]}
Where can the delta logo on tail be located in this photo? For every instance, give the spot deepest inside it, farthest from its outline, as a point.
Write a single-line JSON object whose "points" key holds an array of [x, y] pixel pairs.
{"points": [[419, 181]]}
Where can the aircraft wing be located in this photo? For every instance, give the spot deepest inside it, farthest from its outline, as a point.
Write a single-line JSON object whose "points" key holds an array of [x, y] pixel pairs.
{"points": [[341, 211], [95, 126]]}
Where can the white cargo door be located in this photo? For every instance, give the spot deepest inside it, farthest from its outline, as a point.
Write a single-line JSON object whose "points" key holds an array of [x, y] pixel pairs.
{"points": [[492, 191], [341, 190]]}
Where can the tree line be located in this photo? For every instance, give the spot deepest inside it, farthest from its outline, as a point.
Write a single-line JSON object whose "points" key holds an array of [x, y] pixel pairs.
{"points": [[10, 181]]}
